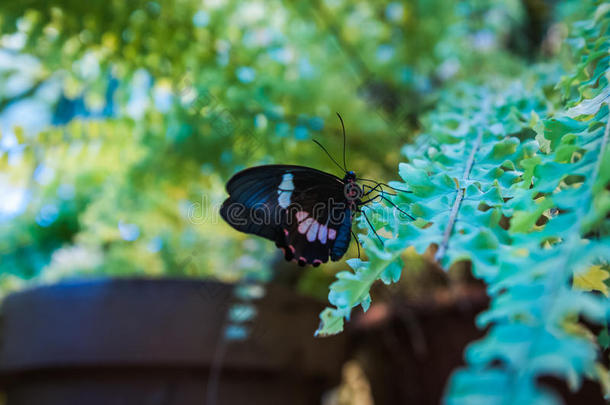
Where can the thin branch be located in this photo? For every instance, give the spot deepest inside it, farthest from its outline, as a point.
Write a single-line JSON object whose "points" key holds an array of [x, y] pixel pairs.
{"points": [[602, 149], [442, 249]]}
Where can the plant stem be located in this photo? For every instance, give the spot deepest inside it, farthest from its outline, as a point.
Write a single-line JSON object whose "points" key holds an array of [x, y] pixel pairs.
{"points": [[602, 149], [442, 249]]}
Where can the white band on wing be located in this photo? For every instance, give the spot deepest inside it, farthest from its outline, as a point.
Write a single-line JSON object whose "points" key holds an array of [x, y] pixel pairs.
{"points": [[285, 190]]}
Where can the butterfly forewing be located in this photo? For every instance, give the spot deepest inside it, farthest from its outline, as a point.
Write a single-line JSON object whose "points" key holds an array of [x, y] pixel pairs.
{"points": [[303, 210]]}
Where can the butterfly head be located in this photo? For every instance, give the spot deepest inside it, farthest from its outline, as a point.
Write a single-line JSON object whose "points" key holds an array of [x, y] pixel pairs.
{"points": [[351, 190], [350, 177]]}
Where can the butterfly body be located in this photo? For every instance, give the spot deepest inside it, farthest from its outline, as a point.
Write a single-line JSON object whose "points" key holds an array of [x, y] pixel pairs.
{"points": [[306, 212]]}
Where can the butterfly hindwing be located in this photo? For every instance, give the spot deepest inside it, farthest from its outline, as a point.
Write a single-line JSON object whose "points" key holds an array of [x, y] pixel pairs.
{"points": [[302, 209], [312, 229]]}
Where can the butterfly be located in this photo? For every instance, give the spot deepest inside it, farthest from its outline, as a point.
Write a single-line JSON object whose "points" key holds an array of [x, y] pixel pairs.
{"points": [[308, 213]]}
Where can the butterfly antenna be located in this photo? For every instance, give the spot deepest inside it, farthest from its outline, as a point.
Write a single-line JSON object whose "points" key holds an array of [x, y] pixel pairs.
{"points": [[343, 126], [383, 192], [331, 158], [372, 227], [384, 184], [357, 243]]}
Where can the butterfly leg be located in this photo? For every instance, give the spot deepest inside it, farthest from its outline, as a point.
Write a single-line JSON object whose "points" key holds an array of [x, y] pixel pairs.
{"points": [[383, 191], [396, 206], [372, 227], [372, 189], [357, 243], [381, 195], [370, 200]]}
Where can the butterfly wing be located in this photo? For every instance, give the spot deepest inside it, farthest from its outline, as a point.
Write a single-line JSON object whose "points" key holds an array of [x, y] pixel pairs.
{"points": [[302, 210]]}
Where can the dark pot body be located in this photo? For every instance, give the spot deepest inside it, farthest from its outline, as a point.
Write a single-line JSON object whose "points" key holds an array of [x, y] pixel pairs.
{"points": [[154, 342], [409, 350]]}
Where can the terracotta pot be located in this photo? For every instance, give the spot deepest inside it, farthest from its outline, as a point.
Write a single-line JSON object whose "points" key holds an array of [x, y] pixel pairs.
{"points": [[143, 341], [408, 349]]}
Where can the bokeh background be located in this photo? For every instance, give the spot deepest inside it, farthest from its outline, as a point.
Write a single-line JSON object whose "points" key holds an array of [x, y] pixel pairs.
{"points": [[121, 121]]}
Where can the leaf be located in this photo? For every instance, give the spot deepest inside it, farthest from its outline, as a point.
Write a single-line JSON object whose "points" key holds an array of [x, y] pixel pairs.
{"points": [[330, 323], [417, 179], [529, 165], [592, 280], [603, 376], [556, 128], [590, 106], [392, 272], [524, 221], [545, 144]]}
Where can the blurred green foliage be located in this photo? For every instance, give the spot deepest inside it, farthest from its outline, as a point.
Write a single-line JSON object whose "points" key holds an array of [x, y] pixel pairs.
{"points": [[143, 109]]}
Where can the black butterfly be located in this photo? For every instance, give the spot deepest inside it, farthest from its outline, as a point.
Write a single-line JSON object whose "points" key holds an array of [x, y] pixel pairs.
{"points": [[306, 212]]}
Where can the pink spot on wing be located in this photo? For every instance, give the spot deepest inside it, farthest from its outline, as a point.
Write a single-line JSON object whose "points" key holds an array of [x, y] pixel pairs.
{"points": [[286, 232], [301, 215], [332, 234], [292, 248], [304, 226], [313, 231], [323, 233]]}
